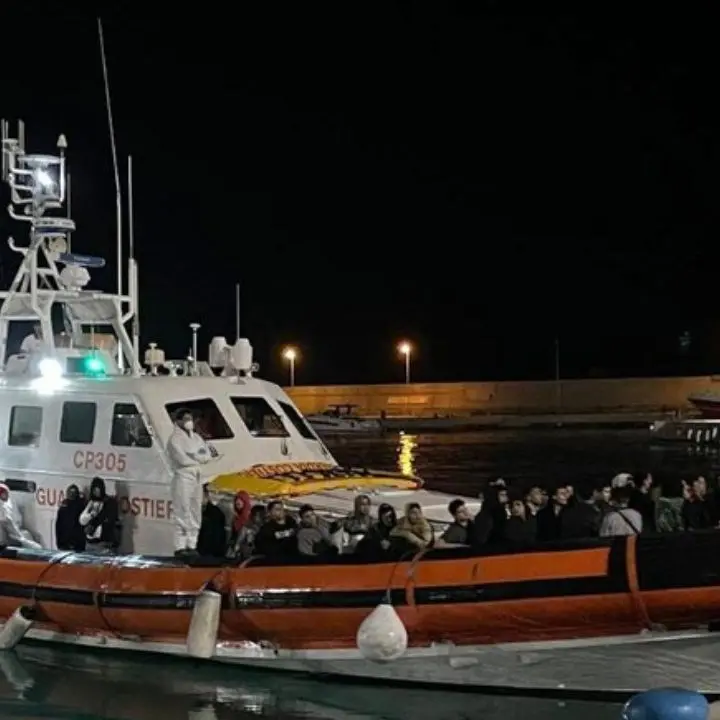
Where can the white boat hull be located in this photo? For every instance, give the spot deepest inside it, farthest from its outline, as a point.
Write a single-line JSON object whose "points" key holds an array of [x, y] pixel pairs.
{"points": [[612, 668]]}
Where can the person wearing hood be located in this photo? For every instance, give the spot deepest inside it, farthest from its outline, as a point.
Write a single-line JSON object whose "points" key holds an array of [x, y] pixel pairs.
{"points": [[212, 539], [358, 522], [376, 542], [242, 534], [188, 453], [100, 520], [413, 529], [69, 534], [11, 530]]}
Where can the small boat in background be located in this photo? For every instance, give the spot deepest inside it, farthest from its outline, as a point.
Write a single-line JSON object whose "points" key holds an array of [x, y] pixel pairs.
{"points": [[708, 403], [343, 420], [694, 431]]}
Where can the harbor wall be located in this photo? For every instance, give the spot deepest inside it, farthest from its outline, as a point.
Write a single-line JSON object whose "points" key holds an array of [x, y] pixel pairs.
{"points": [[498, 398]]}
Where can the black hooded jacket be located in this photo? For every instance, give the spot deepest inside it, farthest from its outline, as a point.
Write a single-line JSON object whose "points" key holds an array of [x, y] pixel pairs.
{"points": [[371, 546], [103, 513], [69, 534]]}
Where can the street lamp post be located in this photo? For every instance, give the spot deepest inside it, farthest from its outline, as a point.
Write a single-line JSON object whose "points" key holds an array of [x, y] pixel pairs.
{"points": [[406, 349], [290, 354]]}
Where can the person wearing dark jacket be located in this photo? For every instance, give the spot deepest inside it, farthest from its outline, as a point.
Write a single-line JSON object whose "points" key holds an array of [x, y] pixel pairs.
{"points": [[521, 526], [277, 537], [550, 518], [583, 519], [376, 543], [459, 532], [698, 511], [642, 501], [489, 524], [69, 534], [100, 520], [212, 538]]}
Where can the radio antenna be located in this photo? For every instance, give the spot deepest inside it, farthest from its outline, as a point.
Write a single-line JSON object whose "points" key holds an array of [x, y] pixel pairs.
{"points": [[237, 311], [111, 126], [118, 192]]}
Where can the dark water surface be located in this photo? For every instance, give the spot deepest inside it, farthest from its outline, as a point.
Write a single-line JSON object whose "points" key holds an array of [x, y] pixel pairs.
{"points": [[41, 682]]}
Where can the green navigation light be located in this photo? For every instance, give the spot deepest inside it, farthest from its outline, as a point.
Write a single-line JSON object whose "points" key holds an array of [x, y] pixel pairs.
{"points": [[94, 365]]}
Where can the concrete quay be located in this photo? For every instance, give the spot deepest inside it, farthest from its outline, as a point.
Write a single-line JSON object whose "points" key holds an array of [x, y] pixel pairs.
{"points": [[469, 423], [492, 400]]}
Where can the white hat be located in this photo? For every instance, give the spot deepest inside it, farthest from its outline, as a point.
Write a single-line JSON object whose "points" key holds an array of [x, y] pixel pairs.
{"points": [[621, 480]]}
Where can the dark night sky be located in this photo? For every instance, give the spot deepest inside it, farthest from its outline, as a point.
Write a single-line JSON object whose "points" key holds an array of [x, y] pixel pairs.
{"points": [[476, 181]]}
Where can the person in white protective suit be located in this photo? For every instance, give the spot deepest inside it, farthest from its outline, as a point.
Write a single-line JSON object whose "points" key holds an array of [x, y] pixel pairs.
{"points": [[33, 343], [188, 453], [11, 531]]}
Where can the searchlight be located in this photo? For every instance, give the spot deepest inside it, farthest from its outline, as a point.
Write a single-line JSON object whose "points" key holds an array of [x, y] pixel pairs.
{"points": [[51, 377], [50, 369], [44, 178]]}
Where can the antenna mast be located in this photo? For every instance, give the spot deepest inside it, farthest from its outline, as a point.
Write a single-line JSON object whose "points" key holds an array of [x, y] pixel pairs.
{"points": [[118, 192], [133, 288], [237, 311]]}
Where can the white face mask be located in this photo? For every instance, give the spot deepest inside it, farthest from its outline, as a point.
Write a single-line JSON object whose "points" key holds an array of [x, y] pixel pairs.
{"points": [[189, 425]]}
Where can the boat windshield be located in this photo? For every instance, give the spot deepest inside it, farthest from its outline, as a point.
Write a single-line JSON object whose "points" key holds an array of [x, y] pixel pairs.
{"points": [[210, 423], [259, 418], [298, 421]]}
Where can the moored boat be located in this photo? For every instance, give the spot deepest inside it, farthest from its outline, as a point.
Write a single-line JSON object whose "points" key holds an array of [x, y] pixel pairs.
{"points": [[696, 431], [343, 420], [708, 403]]}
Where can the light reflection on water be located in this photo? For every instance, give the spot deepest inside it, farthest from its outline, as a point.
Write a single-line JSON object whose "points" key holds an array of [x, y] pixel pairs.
{"points": [[37, 681], [405, 455]]}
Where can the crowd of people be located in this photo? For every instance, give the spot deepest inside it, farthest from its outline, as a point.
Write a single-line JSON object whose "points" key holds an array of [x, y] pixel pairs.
{"points": [[273, 532], [629, 504], [626, 505]]}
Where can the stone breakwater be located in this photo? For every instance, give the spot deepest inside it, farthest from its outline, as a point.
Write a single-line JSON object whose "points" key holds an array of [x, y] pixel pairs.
{"points": [[606, 395]]}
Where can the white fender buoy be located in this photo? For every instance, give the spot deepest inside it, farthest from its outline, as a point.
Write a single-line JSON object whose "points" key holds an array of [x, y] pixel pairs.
{"points": [[13, 631], [204, 624], [382, 636]]}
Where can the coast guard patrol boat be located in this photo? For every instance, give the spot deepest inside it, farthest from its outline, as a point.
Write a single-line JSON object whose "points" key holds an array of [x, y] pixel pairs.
{"points": [[79, 404]]}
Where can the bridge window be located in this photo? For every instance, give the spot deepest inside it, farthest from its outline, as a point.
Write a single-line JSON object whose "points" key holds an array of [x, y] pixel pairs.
{"points": [[209, 421], [78, 422], [128, 427], [25, 426], [298, 421], [24, 486], [259, 418]]}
